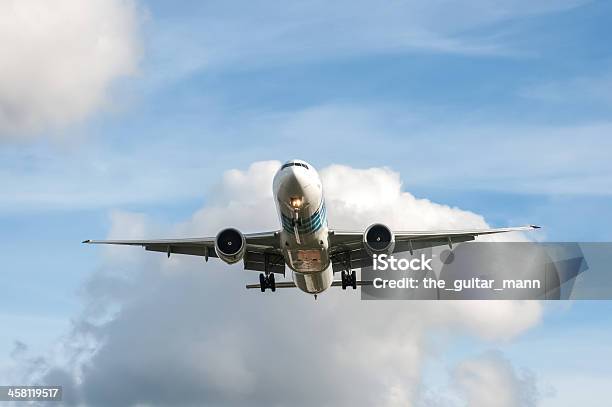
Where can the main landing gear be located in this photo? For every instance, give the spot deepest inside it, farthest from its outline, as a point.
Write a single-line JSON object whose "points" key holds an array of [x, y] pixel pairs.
{"points": [[349, 276], [267, 281], [349, 279]]}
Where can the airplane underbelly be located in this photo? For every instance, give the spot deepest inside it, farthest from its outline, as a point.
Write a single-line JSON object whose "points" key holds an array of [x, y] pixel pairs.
{"points": [[307, 260], [314, 283], [310, 255]]}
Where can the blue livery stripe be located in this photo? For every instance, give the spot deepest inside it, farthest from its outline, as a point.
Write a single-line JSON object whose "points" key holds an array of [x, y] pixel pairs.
{"points": [[309, 225]]}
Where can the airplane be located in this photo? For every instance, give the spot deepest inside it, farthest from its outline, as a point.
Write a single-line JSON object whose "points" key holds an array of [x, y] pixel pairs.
{"points": [[305, 243]]}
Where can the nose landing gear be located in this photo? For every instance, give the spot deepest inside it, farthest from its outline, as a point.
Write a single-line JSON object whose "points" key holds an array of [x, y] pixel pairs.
{"points": [[267, 281]]}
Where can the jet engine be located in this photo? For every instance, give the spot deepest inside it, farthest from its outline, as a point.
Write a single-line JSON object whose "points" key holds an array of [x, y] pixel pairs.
{"points": [[230, 245], [378, 239]]}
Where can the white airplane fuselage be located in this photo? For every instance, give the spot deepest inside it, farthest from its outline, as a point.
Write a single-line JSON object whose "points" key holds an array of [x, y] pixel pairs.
{"points": [[300, 203]]}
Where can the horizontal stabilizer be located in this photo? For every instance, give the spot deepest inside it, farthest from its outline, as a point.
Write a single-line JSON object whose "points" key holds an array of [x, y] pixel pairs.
{"points": [[288, 284]]}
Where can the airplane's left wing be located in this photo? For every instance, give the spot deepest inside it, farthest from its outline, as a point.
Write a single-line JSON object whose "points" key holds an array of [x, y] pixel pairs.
{"points": [[261, 248], [350, 243]]}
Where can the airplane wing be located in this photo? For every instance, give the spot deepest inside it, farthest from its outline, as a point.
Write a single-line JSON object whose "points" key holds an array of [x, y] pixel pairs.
{"points": [[349, 244], [260, 248]]}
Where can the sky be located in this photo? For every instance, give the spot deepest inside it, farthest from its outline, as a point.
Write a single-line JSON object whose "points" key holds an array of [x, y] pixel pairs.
{"points": [[143, 119]]}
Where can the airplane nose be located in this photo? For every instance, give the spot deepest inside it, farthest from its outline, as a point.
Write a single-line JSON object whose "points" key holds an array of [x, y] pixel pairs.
{"points": [[296, 182]]}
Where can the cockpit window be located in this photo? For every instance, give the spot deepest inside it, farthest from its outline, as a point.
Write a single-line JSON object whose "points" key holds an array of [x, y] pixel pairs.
{"points": [[293, 164]]}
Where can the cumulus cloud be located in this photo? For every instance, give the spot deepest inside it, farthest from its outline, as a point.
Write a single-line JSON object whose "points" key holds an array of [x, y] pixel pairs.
{"points": [[58, 59], [361, 197], [490, 380], [180, 332]]}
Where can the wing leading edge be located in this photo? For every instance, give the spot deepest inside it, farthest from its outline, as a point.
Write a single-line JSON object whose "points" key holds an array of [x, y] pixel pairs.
{"points": [[261, 249], [349, 244]]}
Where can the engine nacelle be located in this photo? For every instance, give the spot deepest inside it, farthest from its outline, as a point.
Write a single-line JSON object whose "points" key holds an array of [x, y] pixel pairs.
{"points": [[378, 239], [230, 245]]}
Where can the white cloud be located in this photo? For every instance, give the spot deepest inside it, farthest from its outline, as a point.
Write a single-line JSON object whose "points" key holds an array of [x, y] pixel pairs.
{"points": [[183, 332], [361, 197], [59, 59], [490, 380]]}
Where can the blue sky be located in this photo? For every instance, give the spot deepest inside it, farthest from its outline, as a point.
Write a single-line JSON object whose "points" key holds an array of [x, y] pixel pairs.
{"points": [[501, 110]]}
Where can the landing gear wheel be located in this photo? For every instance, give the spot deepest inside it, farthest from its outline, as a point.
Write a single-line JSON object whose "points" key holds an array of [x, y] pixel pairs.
{"points": [[272, 282], [349, 279], [266, 282]]}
